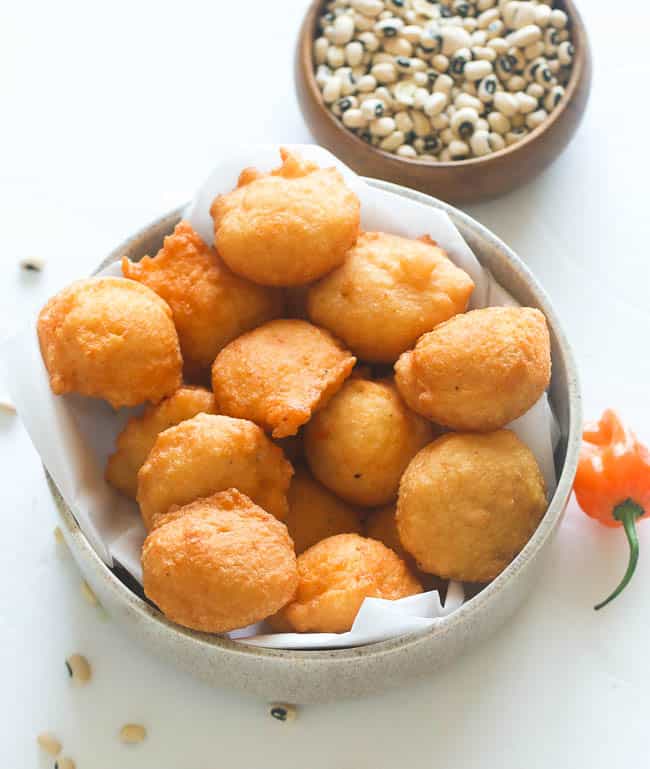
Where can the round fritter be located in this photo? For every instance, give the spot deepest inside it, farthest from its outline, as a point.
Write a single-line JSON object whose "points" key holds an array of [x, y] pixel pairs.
{"points": [[210, 453], [388, 292], [478, 371], [280, 373], [219, 563], [315, 513], [110, 338], [361, 442], [210, 305], [139, 434], [289, 227], [335, 575], [468, 503], [381, 524]]}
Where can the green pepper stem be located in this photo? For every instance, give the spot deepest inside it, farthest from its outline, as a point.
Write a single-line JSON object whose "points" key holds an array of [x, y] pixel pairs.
{"points": [[627, 513]]}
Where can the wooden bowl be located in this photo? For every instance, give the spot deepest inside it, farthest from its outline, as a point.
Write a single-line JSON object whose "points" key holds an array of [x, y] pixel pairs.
{"points": [[462, 181]]}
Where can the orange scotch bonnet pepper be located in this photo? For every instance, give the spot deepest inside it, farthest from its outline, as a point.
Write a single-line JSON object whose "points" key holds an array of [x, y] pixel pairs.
{"points": [[612, 483]]}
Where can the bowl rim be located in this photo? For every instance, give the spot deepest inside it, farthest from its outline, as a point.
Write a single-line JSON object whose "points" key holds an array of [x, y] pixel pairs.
{"points": [[581, 57], [150, 615]]}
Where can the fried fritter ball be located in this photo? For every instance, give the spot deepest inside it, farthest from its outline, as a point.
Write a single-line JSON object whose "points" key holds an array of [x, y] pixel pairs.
{"points": [[219, 563], [280, 373], [210, 305], [478, 371], [139, 434], [361, 442], [110, 338], [381, 524], [335, 575], [388, 292], [210, 453], [468, 503], [289, 227], [315, 513]]}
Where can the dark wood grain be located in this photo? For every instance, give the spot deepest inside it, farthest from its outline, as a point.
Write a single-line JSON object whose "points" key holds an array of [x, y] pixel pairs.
{"points": [[464, 181]]}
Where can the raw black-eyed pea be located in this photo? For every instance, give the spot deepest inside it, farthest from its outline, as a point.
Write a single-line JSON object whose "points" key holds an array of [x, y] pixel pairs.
{"points": [[535, 119], [565, 53], [49, 743], [283, 712], [32, 264], [519, 60], [354, 118], [389, 27], [553, 97], [391, 142], [132, 734], [64, 763], [480, 143], [431, 42], [463, 123], [398, 46], [78, 668], [477, 70], [458, 150], [487, 88], [406, 151], [459, 60], [516, 83], [496, 141], [505, 66], [373, 108], [543, 75], [403, 64]]}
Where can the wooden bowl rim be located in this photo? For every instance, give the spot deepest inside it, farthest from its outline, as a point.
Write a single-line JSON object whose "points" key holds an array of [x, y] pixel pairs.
{"points": [[581, 47]]}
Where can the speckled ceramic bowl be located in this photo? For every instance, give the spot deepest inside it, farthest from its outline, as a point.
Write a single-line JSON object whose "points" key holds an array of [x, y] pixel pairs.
{"points": [[319, 676]]}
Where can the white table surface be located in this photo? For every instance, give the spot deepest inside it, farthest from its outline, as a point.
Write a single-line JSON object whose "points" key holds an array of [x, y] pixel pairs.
{"points": [[111, 114]]}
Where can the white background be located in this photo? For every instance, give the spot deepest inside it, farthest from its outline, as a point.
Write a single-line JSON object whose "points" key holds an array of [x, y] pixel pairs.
{"points": [[113, 113]]}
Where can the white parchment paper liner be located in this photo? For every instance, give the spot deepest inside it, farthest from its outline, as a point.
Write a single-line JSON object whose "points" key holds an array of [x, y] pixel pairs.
{"points": [[74, 435]]}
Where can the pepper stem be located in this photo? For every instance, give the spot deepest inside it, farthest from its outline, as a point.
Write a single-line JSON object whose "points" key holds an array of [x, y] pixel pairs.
{"points": [[627, 513]]}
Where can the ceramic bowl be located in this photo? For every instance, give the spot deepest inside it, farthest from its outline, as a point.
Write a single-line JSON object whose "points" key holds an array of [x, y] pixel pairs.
{"points": [[462, 181], [320, 676]]}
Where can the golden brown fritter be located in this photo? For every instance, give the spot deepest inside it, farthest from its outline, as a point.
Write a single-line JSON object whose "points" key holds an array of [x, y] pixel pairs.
{"points": [[478, 371], [210, 305], [361, 442], [279, 374], [219, 563], [289, 227], [381, 525], [388, 292], [110, 338], [468, 503], [210, 453], [335, 576], [315, 513], [139, 434]]}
